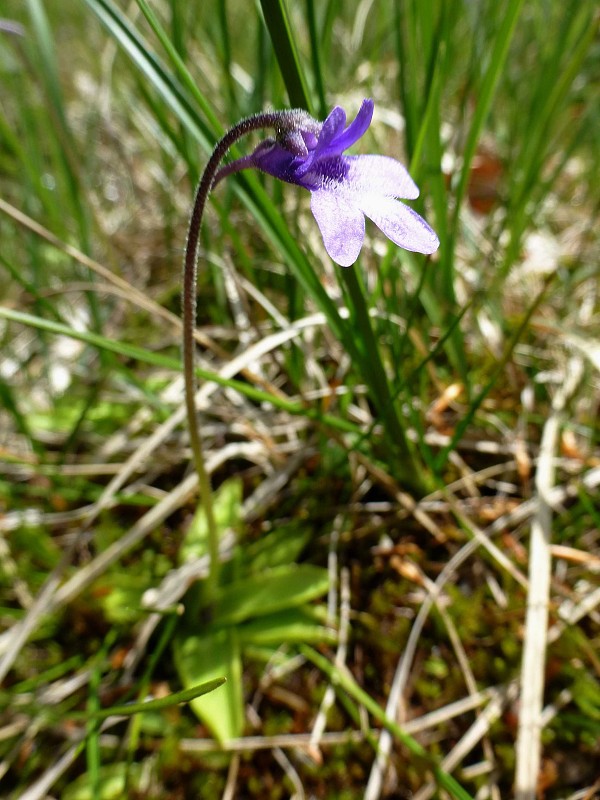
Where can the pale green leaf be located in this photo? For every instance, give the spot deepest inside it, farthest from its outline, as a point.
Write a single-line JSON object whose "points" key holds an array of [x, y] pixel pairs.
{"points": [[203, 657], [291, 626], [274, 590], [227, 502]]}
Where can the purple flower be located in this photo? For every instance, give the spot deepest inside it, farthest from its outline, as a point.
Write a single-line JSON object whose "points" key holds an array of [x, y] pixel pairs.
{"points": [[344, 189]]}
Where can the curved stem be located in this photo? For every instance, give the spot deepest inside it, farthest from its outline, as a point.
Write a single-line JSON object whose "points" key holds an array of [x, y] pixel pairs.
{"points": [[275, 119]]}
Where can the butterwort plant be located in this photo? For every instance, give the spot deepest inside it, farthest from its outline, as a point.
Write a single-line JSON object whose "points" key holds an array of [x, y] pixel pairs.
{"points": [[344, 190]]}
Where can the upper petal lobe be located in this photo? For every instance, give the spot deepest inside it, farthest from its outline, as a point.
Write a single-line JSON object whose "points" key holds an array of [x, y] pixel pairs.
{"points": [[381, 174], [332, 126], [357, 127]]}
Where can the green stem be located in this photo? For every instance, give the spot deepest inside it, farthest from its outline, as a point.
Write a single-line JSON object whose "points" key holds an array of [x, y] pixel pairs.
{"points": [[408, 467]]}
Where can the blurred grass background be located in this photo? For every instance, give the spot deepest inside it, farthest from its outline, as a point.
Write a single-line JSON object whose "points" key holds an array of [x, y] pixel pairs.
{"points": [[384, 441]]}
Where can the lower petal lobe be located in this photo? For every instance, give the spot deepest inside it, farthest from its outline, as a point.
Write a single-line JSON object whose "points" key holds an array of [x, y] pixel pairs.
{"points": [[342, 225], [400, 223]]}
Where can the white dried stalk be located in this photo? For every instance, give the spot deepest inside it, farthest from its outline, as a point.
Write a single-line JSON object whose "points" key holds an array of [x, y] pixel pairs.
{"points": [[528, 749]]}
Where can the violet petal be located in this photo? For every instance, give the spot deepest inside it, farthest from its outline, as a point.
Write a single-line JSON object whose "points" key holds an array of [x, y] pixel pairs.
{"points": [[381, 174], [341, 223], [333, 125], [399, 223], [357, 127]]}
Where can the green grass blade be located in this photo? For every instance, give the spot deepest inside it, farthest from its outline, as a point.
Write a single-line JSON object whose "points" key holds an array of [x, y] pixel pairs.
{"points": [[373, 371], [178, 63], [174, 699], [165, 362], [315, 52], [493, 380], [138, 50], [278, 24], [490, 81], [342, 679], [561, 66], [65, 145]]}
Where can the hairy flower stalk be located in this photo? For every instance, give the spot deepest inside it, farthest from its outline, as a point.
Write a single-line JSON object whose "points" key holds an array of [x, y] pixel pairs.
{"points": [[286, 124], [344, 189]]}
